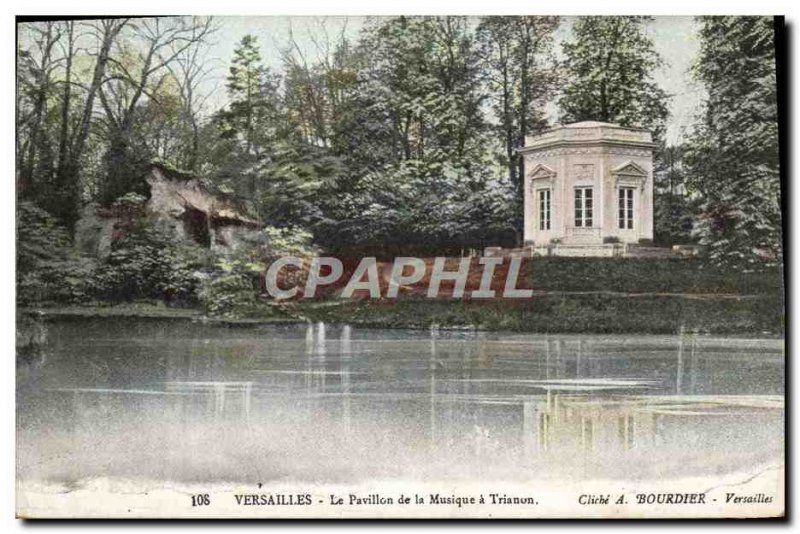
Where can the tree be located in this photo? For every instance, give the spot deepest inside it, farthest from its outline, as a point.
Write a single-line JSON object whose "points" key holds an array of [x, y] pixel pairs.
{"points": [[36, 88], [55, 107], [675, 208], [520, 73], [253, 110], [732, 159], [608, 68], [65, 194], [421, 75], [139, 70], [189, 72], [413, 133], [249, 126], [316, 91]]}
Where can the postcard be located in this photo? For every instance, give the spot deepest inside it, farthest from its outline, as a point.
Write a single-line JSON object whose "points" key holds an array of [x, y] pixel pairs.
{"points": [[400, 267]]}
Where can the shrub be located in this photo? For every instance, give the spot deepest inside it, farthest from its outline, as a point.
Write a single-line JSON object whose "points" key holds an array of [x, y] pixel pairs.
{"points": [[64, 282], [147, 263], [40, 239], [132, 203], [48, 268], [611, 239], [227, 294], [291, 241]]}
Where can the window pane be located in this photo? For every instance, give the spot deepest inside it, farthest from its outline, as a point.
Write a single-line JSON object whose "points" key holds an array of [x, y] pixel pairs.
{"points": [[544, 209]]}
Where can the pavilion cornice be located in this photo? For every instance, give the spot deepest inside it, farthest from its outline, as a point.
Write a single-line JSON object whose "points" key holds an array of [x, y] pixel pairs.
{"points": [[568, 143]]}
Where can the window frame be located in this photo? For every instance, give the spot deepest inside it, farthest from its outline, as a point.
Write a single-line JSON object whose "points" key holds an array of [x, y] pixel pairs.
{"points": [[544, 198], [625, 207], [584, 207]]}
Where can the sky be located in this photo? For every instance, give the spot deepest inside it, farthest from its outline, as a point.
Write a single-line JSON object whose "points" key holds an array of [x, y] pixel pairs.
{"points": [[676, 40]]}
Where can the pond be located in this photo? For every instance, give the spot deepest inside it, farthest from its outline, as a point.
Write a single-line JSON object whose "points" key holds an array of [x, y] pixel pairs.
{"points": [[190, 402]]}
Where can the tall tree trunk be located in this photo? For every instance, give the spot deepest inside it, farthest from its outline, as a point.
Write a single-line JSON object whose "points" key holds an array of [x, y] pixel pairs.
{"points": [[28, 163], [522, 113], [63, 137], [68, 173], [111, 30]]}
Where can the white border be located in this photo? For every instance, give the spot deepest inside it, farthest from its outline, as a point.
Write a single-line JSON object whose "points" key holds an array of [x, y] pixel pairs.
{"points": [[317, 7]]}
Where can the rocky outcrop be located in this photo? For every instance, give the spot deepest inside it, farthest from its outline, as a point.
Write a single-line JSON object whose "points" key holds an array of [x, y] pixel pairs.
{"points": [[95, 231], [179, 202]]}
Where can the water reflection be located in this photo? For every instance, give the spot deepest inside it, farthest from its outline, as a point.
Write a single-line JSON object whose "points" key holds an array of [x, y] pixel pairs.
{"points": [[332, 403]]}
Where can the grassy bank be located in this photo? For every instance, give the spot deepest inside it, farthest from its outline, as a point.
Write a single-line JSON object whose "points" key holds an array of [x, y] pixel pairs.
{"points": [[596, 313], [593, 295], [573, 295], [643, 275], [564, 313]]}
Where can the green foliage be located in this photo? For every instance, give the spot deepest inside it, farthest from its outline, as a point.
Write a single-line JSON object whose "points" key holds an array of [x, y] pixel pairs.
{"points": [[609, 64], [578, 313], [732, 159], [642, 275], [252, 116], [228, 294], [40, 239], [674, 219], [48, 269], [516, 55], [294, 183], [126, 167], [131, 202], [422, 72], [147, 263], [231, 287], [675, 208], [420, 204], [291, 241]]}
